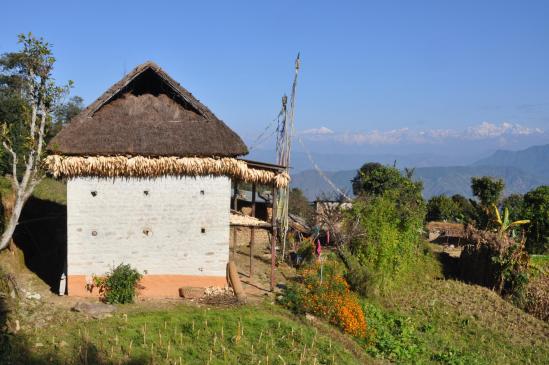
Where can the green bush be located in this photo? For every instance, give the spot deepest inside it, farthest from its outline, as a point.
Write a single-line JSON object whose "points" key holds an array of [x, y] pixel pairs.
{"points": [[389, 242], [389, 213], [119, 286], [443, 208], [536, 209], [467, 211], [393, 337]]}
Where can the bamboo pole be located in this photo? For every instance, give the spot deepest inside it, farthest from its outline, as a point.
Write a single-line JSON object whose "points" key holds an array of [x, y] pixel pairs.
{"points": [[252, 232], [273, 239], [235, 208]]}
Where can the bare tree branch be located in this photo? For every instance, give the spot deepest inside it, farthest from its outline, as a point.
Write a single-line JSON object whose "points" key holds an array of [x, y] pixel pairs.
{"points": [[14, 164]]}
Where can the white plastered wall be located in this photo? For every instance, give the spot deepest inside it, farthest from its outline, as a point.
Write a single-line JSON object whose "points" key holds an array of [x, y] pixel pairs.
{"points": [[164, 225]]}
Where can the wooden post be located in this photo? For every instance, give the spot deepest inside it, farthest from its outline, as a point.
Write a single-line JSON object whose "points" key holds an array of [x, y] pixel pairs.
{"points": [[252, 232], [273, 239], [234, 242], [235, 206], [235, 195]]}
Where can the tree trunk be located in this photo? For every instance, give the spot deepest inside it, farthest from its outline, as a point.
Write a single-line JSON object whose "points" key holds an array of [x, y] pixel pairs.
{"points": [[12, 222]]}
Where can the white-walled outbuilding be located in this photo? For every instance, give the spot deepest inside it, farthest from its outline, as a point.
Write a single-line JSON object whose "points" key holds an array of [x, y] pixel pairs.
{"points": [[149, 171]]}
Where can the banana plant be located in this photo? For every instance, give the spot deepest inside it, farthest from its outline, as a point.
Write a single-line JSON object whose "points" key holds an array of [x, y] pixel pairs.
{"points": [[505, 224]]}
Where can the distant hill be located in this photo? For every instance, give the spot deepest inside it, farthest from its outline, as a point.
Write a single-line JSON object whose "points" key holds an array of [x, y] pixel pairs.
{"points": [[521, 170], [314, 186], [534, 160], [457, 179], [436, 180]]}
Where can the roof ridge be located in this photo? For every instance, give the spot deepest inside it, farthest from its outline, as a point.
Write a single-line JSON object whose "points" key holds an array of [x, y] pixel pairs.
{"points": [[115, 89], [86, 135]]}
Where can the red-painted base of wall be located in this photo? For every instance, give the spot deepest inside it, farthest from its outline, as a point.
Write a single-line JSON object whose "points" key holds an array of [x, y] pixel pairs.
{"points": [[153, 286]]}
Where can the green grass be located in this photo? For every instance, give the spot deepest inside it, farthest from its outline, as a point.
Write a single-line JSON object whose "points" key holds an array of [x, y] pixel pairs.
{"points": [[541, 261], [430, 320], [52, 190], [184, 334], [426, 320], [48, 189], [434, 320]]}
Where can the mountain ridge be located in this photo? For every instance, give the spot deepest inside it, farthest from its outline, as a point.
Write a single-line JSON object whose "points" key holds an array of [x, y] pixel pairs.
{"points": [[522, 171]]}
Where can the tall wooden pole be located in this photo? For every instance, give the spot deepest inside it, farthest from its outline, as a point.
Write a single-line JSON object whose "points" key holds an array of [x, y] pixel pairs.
{"points": [[235, 208], [252, 232], [273, 239]]}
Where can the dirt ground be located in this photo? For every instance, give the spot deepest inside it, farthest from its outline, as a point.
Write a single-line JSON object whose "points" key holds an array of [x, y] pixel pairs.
{"points": [[258, 285]]}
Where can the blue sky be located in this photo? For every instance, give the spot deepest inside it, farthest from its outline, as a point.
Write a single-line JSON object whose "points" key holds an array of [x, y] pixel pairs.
{"points": [[376, 76]]}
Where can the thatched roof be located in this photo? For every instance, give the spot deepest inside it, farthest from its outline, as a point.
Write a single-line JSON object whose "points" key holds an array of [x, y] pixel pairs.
{"points": [[147, 113]]}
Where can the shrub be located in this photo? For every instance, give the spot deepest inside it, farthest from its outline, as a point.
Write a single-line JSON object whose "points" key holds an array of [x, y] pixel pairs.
{"points": [[119, 286], [467, 211], [443, 208], [537, 297], [536, 209], [495, 260], [390, 238], [393, 336], [325, 294]]}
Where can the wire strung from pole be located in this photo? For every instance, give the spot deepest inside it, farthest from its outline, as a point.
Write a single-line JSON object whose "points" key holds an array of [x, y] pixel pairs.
{"points": [[321, 173], [263, 136], [283, 148]]}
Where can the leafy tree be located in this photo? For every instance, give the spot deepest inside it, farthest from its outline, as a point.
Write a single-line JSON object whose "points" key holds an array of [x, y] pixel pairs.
{"points": [[487, 189], [389, 213], [30, 73], [536, 209], [14, 111], [466, 209], [64, 112], [299, 205], [515, 204], [443, 208], [374, 179]]}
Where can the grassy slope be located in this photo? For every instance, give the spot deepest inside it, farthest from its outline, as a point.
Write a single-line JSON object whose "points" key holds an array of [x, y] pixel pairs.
{"points": [[182, 334], [428, 320], [447, 321], [541, 262], [53, 190], [47, 189]]}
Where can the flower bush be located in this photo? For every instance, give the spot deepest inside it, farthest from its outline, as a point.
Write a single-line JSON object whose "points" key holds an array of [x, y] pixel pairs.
{"points": [[325, 293]]}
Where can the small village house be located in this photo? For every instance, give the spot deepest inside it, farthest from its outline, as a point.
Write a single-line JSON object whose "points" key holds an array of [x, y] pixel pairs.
{"points": [[149, 170]]}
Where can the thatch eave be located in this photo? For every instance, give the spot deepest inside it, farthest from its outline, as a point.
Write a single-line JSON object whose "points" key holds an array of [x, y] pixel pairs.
{"points": [[61, 166]]}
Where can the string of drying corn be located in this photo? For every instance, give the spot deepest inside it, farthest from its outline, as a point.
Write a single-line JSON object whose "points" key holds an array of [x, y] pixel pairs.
{"points": [[139, 166]]}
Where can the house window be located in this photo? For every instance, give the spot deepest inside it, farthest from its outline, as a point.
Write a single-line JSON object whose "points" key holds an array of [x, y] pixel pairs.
{"points": [[203, 230], [94, 193]]}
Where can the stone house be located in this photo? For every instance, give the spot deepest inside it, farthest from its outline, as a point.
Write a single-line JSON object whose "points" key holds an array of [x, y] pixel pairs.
{"points": [[148, 170]]}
